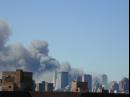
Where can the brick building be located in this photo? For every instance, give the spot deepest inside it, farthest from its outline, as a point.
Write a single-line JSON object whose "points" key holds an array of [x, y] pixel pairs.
{"points": [[15, 81], [79, 86]]}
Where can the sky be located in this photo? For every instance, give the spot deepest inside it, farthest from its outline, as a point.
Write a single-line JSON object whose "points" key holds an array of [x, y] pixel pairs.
{"points": [[91, 35]]}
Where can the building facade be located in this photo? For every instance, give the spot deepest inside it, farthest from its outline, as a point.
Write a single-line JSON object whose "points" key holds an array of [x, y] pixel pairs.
{"points": [[104, 80], [77, 86], [114, 87], [40, 87], [62, 80], [124, 85], [79, 78], [16, 81], [88, 78], [97, 87], [44, 87], [49, 87]]}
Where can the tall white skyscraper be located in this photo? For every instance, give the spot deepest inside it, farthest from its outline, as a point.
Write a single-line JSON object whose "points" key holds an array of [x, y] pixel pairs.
{"points": [[54, 79], [62, 80]]}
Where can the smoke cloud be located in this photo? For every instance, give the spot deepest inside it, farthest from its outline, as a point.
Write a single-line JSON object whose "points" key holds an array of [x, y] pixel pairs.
{"points": [[4, 33], [34, 58]]}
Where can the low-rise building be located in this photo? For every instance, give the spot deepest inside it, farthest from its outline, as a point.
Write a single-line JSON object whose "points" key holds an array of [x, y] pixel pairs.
{"points": [[79, 86]]}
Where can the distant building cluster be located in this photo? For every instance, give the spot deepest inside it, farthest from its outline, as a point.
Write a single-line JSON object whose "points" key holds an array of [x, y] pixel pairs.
{"points": [[23, 81], [121, 87]]}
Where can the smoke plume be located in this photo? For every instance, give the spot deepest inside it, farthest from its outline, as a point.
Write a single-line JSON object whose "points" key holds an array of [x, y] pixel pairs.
{"points": [[34, 58], [4, 33]]}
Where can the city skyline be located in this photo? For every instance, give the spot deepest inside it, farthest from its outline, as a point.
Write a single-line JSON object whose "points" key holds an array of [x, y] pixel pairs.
{"points": [[24, 82], [91, 35]]}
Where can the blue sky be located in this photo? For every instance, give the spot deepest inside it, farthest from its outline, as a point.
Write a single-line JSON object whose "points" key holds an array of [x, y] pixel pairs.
{"points": [[91, 34]]}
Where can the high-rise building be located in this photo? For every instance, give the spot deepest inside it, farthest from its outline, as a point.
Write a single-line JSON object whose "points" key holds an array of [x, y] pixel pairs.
{"points": [[44, 87], [104, 80], [97, 86], [54, 79], [99, 89], [114, 87], [88, 78], [79, 78], [33, 85], [48, 87], [62, 80], [124, 85], [40, 87]]}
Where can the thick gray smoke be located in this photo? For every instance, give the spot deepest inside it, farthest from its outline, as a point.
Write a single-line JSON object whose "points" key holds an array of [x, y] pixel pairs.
{"points": [[4, 33], [35, 58]]}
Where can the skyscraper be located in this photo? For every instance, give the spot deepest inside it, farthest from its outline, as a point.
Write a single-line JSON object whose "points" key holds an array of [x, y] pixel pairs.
{"points": [[40, 87], [104, 79], [88, 78], [62, 80], [79, 78], [97, 86], [44, 87], [114, 86], [54, 79], [124, 85], [48, 87]]}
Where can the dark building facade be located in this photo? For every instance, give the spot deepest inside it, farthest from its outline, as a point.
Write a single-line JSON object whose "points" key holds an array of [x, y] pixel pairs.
{"points": [[79, 86], [88, 78], [44, 87], [124, 85], [16, 81]]}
